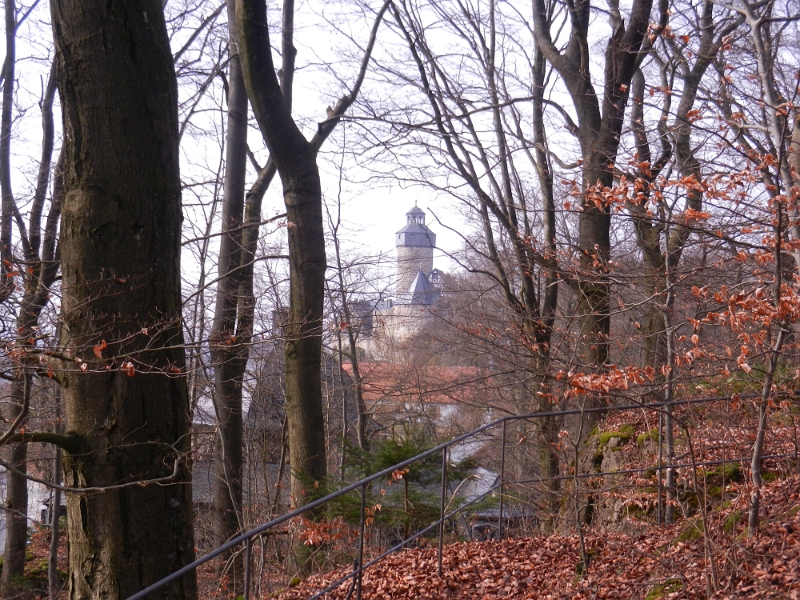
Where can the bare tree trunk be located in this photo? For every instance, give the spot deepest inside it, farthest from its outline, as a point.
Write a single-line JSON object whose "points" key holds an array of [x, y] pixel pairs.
{"points": [[295, 160], [126, 397], [229, 366], [6, 121], [769, 377], [598, 134], [352, 349], [16, 454], [16, 490], [296, 164], [53, 585], [38, 276]]}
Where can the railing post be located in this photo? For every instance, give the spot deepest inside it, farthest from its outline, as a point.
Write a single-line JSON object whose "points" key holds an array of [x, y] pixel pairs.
{"points": [[362, 524], [441, 508], [502, 480], [247, 553]]}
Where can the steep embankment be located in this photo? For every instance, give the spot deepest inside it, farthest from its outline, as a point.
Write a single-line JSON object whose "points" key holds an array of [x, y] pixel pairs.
{"points": [[667, 562]]}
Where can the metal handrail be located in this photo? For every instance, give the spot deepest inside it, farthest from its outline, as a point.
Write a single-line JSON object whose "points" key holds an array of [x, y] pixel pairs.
{"points": [[362, 485]]}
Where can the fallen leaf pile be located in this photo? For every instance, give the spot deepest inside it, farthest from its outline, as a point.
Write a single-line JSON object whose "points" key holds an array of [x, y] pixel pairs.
{"points": [[652, 564]]}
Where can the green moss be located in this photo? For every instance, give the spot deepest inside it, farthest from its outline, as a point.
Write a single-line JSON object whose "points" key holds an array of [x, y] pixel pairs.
{"points": [[689, 498], [662, 589], [692, 531], [724, 473], [624, 434], [295, 582], [732, 521], [647, 436], [768, 476], [638, 512]]}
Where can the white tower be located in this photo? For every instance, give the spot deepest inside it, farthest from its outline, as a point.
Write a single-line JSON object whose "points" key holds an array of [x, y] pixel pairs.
{"points": [[415, 243]]}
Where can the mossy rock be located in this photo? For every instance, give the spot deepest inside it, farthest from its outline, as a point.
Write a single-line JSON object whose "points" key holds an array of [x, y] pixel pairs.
{"points": [[716, 492], [637, 512], [662, 589], [623, 434], [725, 473], [689, 498], [693, 531], [647, 436]]}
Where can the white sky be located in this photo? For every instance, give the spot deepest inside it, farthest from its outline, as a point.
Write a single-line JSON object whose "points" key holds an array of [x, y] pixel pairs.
{"points": [[371, 213]]}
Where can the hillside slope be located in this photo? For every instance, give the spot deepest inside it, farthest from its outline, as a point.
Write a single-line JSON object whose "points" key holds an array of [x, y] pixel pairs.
{"points": [[669, 562]]}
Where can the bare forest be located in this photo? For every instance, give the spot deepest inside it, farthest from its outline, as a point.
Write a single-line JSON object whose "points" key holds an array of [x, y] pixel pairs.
{"points": [[400, 299]]}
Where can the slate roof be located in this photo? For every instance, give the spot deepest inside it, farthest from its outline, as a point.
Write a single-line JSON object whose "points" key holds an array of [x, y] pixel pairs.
{"points": [[416, 211], [421, 291], [415, 234]]}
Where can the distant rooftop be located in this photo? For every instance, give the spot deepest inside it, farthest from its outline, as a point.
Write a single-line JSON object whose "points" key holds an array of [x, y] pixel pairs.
{"points": [[421, 291]]}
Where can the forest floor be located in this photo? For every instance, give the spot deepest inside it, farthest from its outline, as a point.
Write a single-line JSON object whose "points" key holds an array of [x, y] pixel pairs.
{"points": [[705, 554], [676, 561]]}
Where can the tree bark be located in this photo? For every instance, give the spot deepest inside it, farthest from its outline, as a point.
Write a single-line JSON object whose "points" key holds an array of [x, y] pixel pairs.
{"points": [[125, 396], [6, 121], [295, 160], [53, 585], [16, 508], [226, 348], [38, 276]]}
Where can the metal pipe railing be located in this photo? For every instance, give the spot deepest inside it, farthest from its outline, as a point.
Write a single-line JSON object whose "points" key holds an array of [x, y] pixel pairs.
{"points": [[362, 484]]}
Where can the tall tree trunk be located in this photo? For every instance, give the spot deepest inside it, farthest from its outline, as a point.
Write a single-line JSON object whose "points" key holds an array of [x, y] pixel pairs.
{"points": [[549, 427], [662, 243], [16, 509], [125, 396], [53, 584], [6, 121], [295, 160], [303, 349], [16, 454], [600, 120], [600, 117], [229, 367], [38, 276], [352, 348]]}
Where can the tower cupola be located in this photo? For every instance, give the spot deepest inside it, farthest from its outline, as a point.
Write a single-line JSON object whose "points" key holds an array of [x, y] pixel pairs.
{"points": [[416, 233]]}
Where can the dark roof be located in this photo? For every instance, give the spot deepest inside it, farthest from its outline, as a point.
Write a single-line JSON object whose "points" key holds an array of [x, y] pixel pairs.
{"points": [[421, 290], [416, 210], [415, 234], [416, 228]]}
